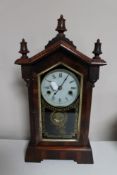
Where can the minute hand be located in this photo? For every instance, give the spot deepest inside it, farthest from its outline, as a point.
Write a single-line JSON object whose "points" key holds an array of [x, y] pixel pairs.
{"points": [[63, 81], [60, 87]]}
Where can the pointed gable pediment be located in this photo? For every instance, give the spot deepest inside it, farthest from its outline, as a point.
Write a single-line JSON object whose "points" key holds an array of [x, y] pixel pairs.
{"points": [[60, 42]]}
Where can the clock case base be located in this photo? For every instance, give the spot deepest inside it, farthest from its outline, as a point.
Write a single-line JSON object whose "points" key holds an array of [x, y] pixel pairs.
{"points": [[82, 155]]}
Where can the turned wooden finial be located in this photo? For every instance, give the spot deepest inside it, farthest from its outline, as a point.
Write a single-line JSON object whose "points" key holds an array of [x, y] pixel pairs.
{"points": [[97, 48], [23, 49], [61, 28]]}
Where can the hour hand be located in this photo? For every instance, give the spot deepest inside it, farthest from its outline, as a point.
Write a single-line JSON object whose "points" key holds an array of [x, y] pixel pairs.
{"points": [[54, 86]]}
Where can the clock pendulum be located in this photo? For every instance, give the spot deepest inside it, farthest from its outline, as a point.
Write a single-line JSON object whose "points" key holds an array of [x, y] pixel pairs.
{"points": [[60, 80]]}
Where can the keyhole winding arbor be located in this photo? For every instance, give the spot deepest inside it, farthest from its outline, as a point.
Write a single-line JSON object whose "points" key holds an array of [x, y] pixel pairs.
{"points": [[60, 131]]}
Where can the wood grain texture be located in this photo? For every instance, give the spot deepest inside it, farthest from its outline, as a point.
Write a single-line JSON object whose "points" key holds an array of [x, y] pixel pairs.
{"points": [[82, 155]]}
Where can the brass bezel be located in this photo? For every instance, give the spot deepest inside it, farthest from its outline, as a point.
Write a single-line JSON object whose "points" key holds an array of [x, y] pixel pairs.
{"points": [[80, 102]]}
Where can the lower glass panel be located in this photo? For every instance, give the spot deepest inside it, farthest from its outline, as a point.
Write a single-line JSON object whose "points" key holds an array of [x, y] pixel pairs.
{"points": [[60, 125]]}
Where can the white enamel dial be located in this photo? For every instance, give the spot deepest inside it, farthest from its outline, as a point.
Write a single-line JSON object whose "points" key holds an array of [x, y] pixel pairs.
{"points": [[60, 87]]}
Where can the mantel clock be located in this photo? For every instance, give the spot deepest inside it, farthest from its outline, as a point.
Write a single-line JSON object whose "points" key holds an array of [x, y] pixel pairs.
{"points": [[60, 80]]}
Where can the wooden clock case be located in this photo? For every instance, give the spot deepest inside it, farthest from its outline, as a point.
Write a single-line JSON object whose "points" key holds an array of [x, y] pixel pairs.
{"points": [[60, 50]]}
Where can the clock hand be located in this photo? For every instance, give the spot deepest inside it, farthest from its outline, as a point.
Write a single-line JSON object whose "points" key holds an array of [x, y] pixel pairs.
{"points": [[60, 87], [54, 86], [56, 92], [48, 80]]}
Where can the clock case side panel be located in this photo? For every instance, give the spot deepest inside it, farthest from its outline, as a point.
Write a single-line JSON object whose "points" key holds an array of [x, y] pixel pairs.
{"points": [[31, 82], [85, 114], [89, 83]]}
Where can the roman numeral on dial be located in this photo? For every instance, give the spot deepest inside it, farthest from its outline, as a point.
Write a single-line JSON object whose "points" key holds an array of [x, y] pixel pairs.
{"points": [[46, 87], [60, 75], [59, 100], [73, 87], [71, 81], [66, 98], [53, 76], [53, 98]]}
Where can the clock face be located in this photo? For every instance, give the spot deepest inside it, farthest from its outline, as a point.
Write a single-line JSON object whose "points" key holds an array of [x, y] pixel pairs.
{"points": [[60, 87]]}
